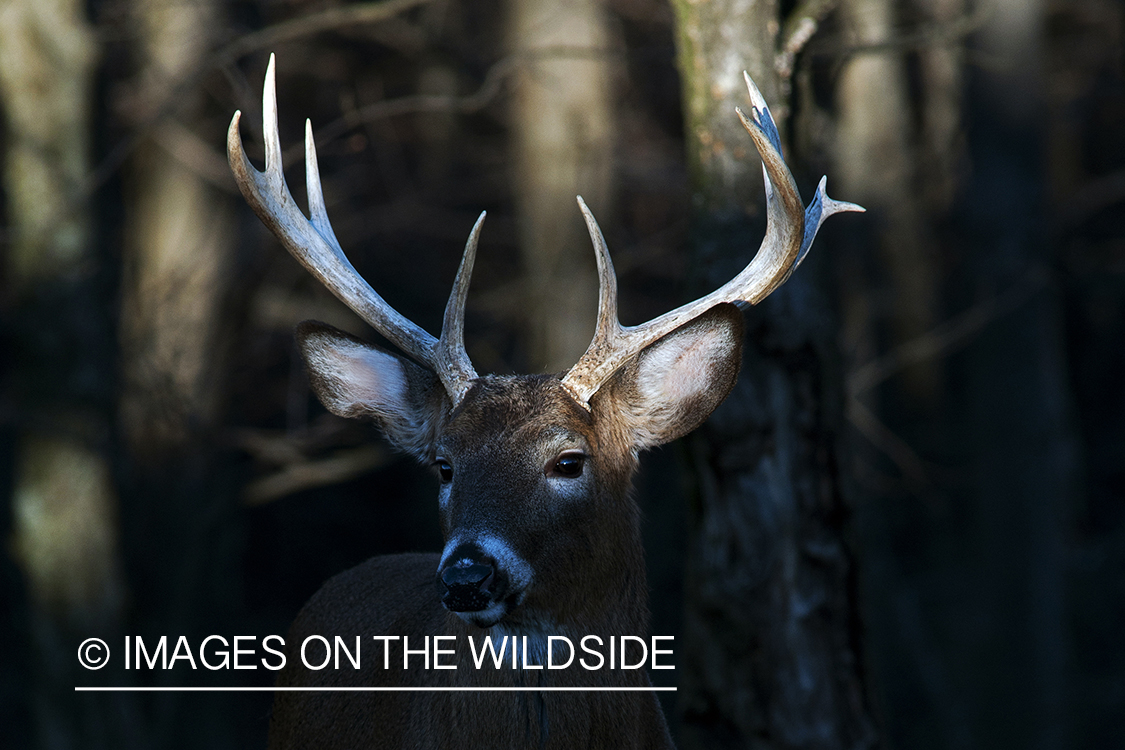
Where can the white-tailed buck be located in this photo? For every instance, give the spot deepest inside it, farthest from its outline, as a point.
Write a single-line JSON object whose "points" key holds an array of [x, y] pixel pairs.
{"points": [[542, 537]]}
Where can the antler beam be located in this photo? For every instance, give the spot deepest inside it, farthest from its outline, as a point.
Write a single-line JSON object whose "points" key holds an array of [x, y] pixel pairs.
{"points": [[790, 229]]}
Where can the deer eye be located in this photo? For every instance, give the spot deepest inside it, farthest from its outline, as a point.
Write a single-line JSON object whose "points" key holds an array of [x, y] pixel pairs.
{"points": [[568, 465], [445, 470]]}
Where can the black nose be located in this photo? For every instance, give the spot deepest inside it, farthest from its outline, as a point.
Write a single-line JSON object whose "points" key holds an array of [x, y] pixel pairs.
{"points": [[470, 584]]}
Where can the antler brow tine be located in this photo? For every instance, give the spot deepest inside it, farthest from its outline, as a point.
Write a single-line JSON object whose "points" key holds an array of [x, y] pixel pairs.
{"points": [[790, 229]]}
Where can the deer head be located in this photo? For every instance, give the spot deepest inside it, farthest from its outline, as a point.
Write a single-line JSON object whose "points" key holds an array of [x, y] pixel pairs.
{"points": [[534, 471]]}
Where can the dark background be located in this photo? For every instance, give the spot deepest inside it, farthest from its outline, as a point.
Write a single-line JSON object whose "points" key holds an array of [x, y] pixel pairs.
{"points": [[164, 469]]}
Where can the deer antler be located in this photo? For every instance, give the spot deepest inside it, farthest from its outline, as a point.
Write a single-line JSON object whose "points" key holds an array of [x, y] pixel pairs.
{"points": [[312, 242], [790, 229]]}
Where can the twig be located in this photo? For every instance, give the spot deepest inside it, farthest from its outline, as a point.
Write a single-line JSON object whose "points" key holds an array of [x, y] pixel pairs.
{"points": [[940, 340], [175, 93], [314, 23], [909, 463], [474, 102], [304, 475], [467, 104], [194, 154], [211, 165], [799, 28], [946, 337], [929, 35], [294, 28]]}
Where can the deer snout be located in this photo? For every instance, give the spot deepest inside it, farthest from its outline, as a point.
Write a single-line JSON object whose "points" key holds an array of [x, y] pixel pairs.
{"points": [[472, 582], [484, 578], [468, 586]]}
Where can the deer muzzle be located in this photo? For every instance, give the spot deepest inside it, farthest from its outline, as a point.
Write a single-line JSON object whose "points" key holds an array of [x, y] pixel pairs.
{"points": [[469, 585], [479, 588]]}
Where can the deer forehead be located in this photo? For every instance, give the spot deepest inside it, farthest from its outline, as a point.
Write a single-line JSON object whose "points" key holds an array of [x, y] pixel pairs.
{"points": [[532, 412]]}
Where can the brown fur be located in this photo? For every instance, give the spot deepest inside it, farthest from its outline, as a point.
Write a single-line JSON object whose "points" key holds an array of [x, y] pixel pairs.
{"points": [[582, 542], [409, 603]]}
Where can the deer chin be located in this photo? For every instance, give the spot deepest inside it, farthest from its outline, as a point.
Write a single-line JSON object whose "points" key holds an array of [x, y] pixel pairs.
{"points": [[492, 614], [487, 617]]}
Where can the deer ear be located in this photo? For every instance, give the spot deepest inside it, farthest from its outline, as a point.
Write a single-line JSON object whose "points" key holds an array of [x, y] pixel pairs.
{"points": [[674, 384], [355, 379]]}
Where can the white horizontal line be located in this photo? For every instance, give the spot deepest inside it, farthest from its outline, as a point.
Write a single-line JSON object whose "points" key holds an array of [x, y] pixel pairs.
{"points": [[366, 689]]}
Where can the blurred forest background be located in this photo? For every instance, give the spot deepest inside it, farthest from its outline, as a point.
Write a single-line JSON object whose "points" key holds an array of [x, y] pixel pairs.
{"points": [[905, 529]]}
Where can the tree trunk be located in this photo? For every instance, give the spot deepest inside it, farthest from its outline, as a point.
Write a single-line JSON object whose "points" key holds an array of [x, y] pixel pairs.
{"points": [[770, 626], [64, 515], [875, 157], [1019, 412], [175, 327], [562, 123], [178, 243]]}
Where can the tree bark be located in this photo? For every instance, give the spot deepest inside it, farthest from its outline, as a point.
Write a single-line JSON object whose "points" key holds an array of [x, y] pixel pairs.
{"points": [[64, 514], [174, 330], [770, 626], [562, 129], [177, 251], [875, 157]]}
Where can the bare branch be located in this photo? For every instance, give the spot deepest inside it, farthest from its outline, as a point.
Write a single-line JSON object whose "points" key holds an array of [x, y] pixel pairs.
{"points": [[799, 28], [195, 154], [488, 90], [928, 35], [888, 442], [486, 93], [173, 93], [953, 333], [303, 475], [313, 23]]}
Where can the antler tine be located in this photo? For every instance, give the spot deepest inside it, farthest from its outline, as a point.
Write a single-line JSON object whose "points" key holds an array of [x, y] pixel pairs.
{"points": [[608, 331], [456, 371], [318, 213], [608, 325], [790, 230], [313, 243], [820, 208]]}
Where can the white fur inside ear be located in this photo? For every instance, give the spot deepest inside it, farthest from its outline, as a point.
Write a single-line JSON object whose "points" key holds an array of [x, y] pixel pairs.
{"points": [[358, 379], [680, 368], [680, 379]]}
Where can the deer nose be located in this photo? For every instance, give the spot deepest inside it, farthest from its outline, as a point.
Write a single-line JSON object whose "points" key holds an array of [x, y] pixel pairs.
{"points": [[470, 584]]}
